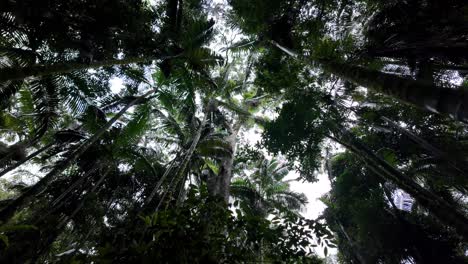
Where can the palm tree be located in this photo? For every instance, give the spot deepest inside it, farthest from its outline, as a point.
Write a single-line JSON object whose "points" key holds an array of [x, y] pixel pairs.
{"points": [[273, 26], [52, 91], [265, 188], [442, 209], [356, 202], [19, 202], [92, 182]]}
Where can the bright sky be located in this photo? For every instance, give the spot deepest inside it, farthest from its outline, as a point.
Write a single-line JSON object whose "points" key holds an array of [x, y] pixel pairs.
{"points": [[313, 191]]}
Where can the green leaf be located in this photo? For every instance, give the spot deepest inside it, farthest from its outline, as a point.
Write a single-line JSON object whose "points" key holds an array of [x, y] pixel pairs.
{"points": [[213, 167]]}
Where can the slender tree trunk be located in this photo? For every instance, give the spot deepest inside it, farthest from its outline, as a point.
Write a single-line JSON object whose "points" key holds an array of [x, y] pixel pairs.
{"points": [[21, 162], [39, 241], [353, 245], [436, 66], [82, 203], [182, 170], [159, 183], [444, 211], [452, 102], [458, 164], [20, 73], [7, 212]]}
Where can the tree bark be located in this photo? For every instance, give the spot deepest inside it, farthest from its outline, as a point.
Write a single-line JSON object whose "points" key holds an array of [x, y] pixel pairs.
{"points": [[225, 173], [436, 66], [446, 50], [445, 212], [458, 164], [7, 212], [451, 102]]}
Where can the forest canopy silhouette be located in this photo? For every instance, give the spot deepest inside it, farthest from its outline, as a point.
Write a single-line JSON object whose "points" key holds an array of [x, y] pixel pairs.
{"points": [[177, 131]]}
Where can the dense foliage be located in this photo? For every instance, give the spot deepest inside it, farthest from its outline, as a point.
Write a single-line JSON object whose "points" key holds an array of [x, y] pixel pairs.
{"points": [[126, 131]]}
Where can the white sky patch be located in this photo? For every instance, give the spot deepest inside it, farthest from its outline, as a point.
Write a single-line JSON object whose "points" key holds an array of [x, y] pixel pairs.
{"points": [[313, 191], [116, 85]]}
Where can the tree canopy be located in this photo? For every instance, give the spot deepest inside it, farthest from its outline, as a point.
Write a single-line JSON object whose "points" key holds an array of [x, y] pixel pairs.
{"points": [[175, 131]]}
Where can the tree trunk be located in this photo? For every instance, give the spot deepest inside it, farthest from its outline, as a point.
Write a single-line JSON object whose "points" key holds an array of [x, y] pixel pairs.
{"points": [[40, 240], [455, 162], [356, 248], [21, 162], [20, 73], [225, 173], [445, 212], [179, 172], [449, 50], [181, 175], [435, 66], [7, 212], [452, 102]]}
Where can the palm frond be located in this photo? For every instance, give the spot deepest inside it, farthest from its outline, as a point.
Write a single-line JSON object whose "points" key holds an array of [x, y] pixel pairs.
{"points": [[82, 89], [292, 200], [7, 90], [198, 33], [280, 172], [242, 46], [136, 127], [242, 188], [171, 124], [17, 56], [46, 100]]}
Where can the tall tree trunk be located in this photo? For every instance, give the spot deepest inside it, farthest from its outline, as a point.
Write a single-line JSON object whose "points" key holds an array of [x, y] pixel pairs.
{"points": [[455, 162], [435, 66], [181, 175], [452, 102], [7, 212], [187, 156], [352, 244], [444, 211], [449, 50], [20, 73], [225, 173], [49, 227], [21, 162]]}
